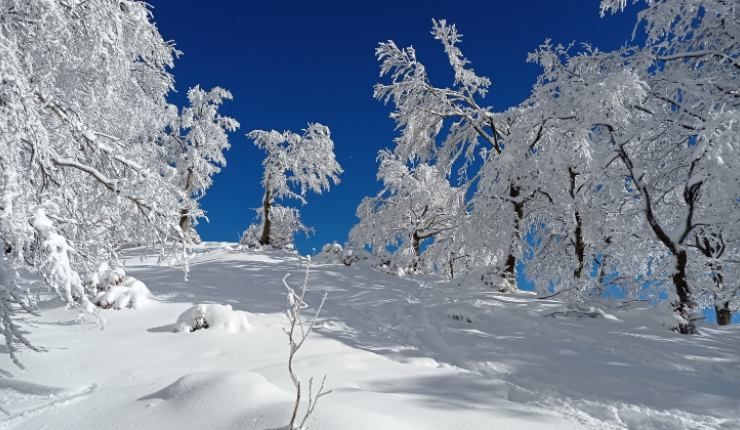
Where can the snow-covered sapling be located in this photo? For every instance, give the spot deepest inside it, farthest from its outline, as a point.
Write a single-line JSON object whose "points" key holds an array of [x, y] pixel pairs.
{"points": [[298, 331]]}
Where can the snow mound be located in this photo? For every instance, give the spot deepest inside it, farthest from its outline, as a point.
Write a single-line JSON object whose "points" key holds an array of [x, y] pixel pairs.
{"points": [[212, 316], [220, 399], [130, 293], [206, 387], [246, 400]]}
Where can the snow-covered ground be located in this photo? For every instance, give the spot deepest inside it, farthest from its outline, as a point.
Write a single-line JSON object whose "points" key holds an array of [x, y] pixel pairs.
{"points": [[399, 353]]}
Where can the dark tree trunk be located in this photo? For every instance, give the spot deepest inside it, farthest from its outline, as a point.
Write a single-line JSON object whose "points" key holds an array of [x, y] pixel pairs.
{"points": [[416, 246], [602, 269], [721, 309], [712, 246], [266, 223], [510, 263], [684, 307], [602, 264], [724, 315], [185, 224], [580, 246]]}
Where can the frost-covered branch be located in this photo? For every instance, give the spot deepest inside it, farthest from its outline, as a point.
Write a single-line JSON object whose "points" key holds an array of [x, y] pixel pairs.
{"points": [[298, 333]]}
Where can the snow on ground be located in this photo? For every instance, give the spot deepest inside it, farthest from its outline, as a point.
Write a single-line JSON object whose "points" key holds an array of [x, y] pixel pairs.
{"points": [[399, 353]]}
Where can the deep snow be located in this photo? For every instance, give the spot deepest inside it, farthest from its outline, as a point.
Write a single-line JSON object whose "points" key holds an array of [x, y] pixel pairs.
{"points": [[399, 353]]}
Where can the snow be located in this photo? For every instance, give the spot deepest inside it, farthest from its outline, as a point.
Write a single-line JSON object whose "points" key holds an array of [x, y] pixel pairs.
{"points": [[391, 348], [217, 399]]}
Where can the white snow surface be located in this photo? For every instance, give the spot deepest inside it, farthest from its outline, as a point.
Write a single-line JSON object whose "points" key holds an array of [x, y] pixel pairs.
{"points": [[400, 353]]}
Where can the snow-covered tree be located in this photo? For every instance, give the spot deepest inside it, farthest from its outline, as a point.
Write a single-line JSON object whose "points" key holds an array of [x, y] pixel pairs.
{"points": [[83, 147], [450, 127], [416, 204], [201, 135], [295, 164], [423, 112]]}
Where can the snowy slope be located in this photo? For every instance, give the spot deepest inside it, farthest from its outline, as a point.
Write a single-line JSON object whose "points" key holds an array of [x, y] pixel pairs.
{"points": [[399, 353]]}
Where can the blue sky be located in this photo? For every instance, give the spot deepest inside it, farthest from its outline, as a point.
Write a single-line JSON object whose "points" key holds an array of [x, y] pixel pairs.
{"points": [[291, 62]]}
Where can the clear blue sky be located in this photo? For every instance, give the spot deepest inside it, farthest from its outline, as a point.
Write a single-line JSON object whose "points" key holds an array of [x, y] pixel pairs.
{"points": [[291, 62]]}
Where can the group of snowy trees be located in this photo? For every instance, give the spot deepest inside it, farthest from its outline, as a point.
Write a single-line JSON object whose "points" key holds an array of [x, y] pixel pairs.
{"points": [[618, 177], [93, 158], [77, 182]]}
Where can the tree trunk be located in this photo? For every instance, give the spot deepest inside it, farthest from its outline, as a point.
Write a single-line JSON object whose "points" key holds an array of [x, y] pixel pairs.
{"points": [[721, 307], [580, 246], [510, 264], [724, 315], [266, 223], [602, 263], [185, 224], [416, 245], [185, 221], [713, 250], [684, 306]]}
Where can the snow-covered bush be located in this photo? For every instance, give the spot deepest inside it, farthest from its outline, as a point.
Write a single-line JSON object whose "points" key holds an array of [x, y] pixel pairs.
{"points": [[212, 316], [251, 236], [490, 279], [350, 255], [333, 250], [103, 278], [285, 223], [130, 293], [332, 253], [110, 287]]}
